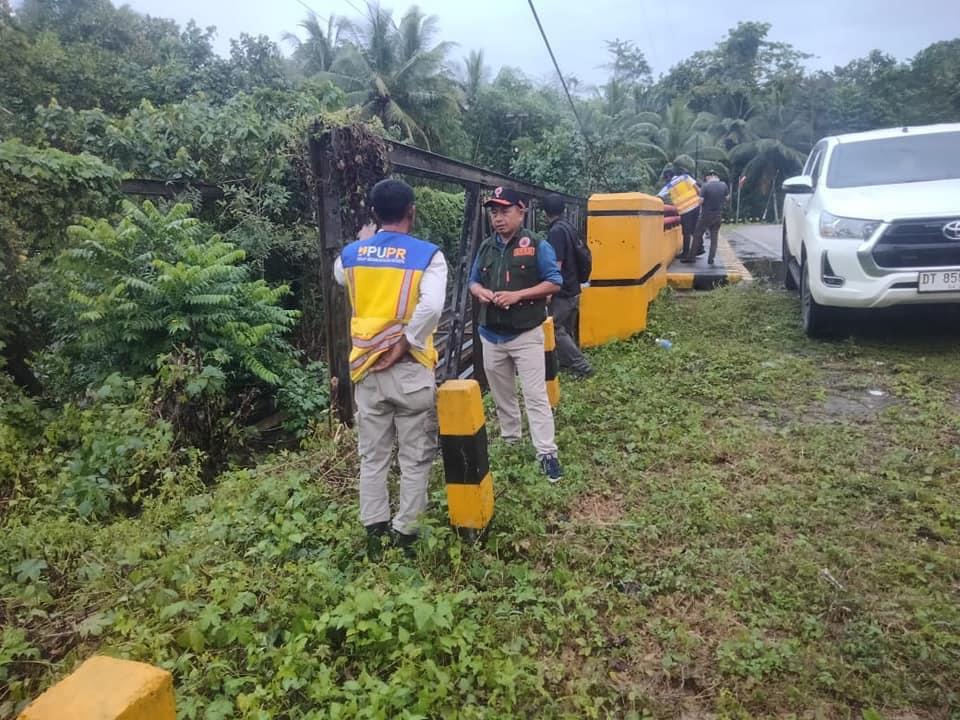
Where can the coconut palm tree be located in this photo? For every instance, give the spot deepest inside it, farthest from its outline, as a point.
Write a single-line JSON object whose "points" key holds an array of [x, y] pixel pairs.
{"points": [[780, 141], [732, 115], [475, 76], [682, 139], [616, 158], [317, 53], [395, 73]]}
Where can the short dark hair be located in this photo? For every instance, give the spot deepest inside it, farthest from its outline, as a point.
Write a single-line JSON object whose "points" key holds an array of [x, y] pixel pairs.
{"points": [[553, 205], [668, 174], [391, 200]]}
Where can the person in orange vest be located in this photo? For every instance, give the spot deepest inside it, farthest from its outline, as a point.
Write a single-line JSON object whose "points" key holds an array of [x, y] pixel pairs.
{"points": [[397, 288], [683, 193]]}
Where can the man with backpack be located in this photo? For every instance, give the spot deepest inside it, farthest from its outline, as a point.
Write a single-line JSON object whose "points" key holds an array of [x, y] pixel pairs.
{"points": [[513, 274], [575, 262]]}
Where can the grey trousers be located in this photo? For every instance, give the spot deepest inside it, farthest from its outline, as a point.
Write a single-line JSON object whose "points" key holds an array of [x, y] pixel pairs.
{"points": [[565, 311], [396, 405], [503, 362]]}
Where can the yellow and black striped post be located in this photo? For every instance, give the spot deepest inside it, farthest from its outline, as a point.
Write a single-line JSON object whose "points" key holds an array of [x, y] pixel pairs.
{"points": [[552, 362], [463, 440]]}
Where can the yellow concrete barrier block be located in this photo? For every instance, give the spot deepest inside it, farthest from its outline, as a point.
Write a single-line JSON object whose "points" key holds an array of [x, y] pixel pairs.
{"points": [[466, 464], [105, 688], [460, 407], [631, 254], [551, 362], [624, 232], [612, 313], [471, 506]]}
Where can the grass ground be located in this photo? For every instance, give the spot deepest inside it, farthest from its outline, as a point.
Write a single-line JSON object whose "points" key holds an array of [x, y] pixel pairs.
{"points": [[751, 525]]}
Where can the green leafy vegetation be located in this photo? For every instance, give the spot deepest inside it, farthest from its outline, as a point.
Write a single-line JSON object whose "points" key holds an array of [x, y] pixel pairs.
{"points": [[750, 534], [745, 530], [156, 285], [440, 218], [41, 193]]}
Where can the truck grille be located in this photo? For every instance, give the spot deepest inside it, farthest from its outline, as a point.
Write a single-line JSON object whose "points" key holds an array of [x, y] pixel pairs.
{"points": [[916, 244]]}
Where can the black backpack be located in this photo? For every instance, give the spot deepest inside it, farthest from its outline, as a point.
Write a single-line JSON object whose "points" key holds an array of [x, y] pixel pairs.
{"points": [[581, 252]]}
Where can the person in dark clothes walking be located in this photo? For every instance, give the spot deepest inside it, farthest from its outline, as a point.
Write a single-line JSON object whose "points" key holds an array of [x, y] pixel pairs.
{"points": [[715, 194], [565, 305]]}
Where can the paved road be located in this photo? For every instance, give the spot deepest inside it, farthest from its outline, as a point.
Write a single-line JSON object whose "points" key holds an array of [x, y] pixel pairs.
{"points": [[755, 242]]}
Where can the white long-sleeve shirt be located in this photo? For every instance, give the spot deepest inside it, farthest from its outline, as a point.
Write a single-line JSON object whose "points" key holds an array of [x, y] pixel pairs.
{"points": [[433, 294]]}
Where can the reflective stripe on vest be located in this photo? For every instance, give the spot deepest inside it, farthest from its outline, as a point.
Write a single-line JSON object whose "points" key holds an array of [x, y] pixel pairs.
{"points": [[404, 299], [383, 277]]}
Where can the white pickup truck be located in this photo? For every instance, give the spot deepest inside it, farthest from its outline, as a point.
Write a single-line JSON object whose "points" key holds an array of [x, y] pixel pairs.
{"points": [[874, 221]]}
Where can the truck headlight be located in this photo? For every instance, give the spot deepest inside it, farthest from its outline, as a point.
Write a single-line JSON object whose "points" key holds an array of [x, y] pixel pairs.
{"points": [[832, 226]]}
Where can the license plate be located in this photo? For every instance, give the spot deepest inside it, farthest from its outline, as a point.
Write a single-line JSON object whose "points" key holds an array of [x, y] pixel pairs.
{"points": [[939, 281]]}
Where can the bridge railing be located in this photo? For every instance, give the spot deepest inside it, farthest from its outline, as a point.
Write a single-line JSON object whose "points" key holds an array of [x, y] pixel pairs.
{"points": [[460, 355]]}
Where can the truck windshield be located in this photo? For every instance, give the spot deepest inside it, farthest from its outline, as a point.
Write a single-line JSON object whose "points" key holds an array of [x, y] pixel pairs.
{"points": [[905, 159]]}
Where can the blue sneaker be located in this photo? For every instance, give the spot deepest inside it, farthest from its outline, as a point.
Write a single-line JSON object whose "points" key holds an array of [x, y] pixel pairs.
{"points": [[551, 468]]}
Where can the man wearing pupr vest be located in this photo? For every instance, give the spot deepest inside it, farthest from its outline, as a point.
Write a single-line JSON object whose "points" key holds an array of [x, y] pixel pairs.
{"points": [[397, 287]]}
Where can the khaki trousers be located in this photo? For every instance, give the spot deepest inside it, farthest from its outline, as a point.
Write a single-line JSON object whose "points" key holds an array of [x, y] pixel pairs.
{"points": [[396, 405], [503, 362]]}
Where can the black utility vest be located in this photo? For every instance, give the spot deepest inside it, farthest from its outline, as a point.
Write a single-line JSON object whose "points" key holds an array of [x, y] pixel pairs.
{"points": [[513, 269]]}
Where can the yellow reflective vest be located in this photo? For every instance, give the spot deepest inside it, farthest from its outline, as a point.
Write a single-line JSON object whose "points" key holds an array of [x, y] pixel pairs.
{"points": [[683, 194], [383, 277]]}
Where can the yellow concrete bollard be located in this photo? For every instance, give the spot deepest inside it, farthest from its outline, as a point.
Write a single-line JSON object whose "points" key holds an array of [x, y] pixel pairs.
{"points": [[552, 362], [631, 254], [105, 688], [463, 441]]}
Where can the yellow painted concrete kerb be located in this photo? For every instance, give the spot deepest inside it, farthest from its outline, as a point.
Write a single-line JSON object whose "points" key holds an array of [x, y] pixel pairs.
{"points": [[729, 271], [105, 688]]}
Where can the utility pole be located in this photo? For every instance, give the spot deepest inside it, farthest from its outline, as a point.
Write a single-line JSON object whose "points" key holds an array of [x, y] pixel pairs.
{"points": [[696, 161], [740, 182], [776, 210]]}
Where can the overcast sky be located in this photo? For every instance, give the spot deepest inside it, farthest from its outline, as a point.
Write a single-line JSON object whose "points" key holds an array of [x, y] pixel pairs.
{"points": [[834, 31]]}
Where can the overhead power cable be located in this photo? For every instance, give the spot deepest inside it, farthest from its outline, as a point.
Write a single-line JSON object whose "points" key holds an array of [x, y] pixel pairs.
{"points": [[556, 66], [318, 15], [367, 14], [566, 90]]}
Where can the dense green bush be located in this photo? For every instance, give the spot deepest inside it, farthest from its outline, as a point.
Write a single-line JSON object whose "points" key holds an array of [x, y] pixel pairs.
{"points": [[252, 146], [439, 218], [42, 191], [245, 145], [303, 395], [112, 449], [93, 457], [21, 430], [125, 295], [158, 295]]}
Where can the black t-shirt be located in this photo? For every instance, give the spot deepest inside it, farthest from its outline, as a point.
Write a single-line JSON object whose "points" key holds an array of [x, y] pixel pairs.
{"points": [[562, 243], [714, 194]]}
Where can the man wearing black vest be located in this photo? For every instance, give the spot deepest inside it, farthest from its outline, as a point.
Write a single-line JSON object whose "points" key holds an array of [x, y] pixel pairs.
{"points": [[565, 305], [513, 275]]}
